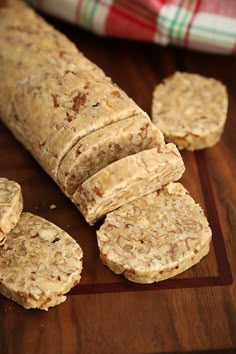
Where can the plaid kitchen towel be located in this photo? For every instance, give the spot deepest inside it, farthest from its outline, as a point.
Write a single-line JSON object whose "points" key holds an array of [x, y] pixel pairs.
{"points": [[207, 25]]}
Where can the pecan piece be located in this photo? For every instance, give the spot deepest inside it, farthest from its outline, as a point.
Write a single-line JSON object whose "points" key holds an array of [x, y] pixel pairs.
{"points": [[79, 101]]}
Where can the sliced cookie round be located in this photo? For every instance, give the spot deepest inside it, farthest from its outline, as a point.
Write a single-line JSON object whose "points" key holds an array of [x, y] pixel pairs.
{"points": [[155, 237], [127, 179], [190, 110], [39, 264], [11, 205], [104, 146]]}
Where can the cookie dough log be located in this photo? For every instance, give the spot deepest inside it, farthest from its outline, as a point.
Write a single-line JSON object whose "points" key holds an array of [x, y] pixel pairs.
{"points": [[99, 149], [11, 205], [30, 46], [31, 50], [39, 264], [53, 95], [155, 237], [74, 105], [127, 179], [190, 110]]}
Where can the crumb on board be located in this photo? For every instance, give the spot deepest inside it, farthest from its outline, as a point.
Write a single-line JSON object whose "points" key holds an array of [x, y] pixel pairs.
{"points": [[53, 206]]}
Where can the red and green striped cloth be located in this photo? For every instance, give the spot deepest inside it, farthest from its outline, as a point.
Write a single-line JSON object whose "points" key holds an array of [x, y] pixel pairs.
{"points": [[207, 25]]}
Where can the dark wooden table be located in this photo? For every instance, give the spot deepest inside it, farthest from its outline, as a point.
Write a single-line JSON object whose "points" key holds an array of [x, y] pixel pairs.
{"points": [[105, 313]]}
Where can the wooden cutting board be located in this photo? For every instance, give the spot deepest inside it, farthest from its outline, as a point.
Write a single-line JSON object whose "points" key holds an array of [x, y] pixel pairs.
{"points": [[105, 313]]}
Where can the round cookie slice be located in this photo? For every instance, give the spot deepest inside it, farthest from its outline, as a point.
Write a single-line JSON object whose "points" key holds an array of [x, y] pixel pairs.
{"points": [[39, 264], [11, 205], [155, 237], [190, 110]]}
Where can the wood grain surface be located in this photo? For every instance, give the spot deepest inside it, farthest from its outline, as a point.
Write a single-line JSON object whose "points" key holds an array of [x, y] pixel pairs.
{"points": [[194, 312]]}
